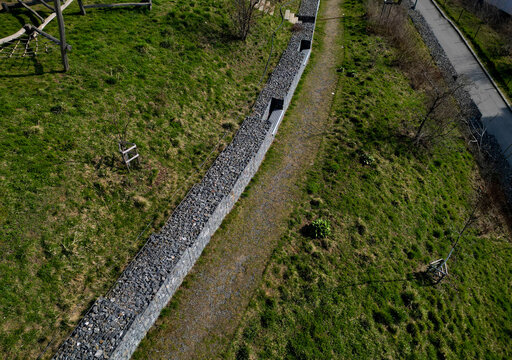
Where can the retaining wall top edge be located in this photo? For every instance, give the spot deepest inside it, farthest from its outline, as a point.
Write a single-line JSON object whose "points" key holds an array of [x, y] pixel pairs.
{"points": [[98, 333]]}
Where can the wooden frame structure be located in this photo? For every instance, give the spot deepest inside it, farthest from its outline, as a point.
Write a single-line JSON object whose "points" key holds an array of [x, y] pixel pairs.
{"points": [[33, 31], [128, 152], [437, 270]]}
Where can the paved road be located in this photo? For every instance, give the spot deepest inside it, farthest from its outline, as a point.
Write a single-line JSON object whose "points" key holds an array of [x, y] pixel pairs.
{"points": [[496, 116]]}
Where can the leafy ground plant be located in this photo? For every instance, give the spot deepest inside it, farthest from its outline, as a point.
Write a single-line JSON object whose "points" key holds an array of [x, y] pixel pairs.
{"points": [[357, 293], [318, 229]]}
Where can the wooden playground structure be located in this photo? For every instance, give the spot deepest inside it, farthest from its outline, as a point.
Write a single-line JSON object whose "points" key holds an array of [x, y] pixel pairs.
{"points": [[25, 42]]}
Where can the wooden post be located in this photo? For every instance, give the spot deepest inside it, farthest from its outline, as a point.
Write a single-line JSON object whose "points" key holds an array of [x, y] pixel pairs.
{"points": [[460, 15], [477, 30], [81, 5], [62, 33]]}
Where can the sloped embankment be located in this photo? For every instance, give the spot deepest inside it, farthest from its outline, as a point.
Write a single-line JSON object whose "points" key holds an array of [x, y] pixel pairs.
{"points": [[117, 322]]}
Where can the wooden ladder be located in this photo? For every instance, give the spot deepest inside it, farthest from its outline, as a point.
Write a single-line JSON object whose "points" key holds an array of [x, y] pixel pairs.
{"points": [[128, 152]]}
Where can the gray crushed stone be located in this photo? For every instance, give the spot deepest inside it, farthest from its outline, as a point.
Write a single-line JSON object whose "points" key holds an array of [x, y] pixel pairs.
{"points": [[98, 333]]}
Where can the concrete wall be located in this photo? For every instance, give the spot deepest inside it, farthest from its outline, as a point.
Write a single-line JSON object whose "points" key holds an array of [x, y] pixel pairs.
{"points": [[116, 324]]}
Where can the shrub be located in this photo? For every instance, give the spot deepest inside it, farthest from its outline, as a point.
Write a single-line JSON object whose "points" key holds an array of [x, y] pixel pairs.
{"points": [[367, 159], [320, 228], [243, 13]]}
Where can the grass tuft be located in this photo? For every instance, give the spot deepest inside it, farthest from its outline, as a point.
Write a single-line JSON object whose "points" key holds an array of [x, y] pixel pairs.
{"points": [[141, 202]]}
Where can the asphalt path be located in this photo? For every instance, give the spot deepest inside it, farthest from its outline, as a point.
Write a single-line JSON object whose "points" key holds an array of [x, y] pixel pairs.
{"points": [[496, 114]]}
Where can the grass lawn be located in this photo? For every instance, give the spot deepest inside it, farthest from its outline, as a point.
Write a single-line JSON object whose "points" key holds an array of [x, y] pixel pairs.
{"points": [[70, 212], [492, 43], [392, 209]]}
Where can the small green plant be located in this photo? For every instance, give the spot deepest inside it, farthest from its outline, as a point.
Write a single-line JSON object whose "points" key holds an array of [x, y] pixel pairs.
{"points": [[366, 159], [320, 228]]}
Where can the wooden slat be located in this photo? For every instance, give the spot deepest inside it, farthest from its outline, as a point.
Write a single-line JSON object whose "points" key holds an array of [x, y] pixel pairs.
{"points": [[130, 149], [22, 31], [116, 5], [133, 158]]}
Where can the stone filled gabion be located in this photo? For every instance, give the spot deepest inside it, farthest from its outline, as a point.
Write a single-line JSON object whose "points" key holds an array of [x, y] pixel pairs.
{"points": [[490, 147], [98, 334], [309, 8], [116, 323]]}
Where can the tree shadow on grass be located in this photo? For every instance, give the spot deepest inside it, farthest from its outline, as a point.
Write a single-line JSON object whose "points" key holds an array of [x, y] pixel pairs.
{"points": [[203, 26], [418, 277], [394, 141], [24, 67]]}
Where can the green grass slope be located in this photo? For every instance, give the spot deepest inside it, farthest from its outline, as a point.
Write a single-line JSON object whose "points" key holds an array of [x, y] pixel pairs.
{"points": [[392, 209], [70, 212]]}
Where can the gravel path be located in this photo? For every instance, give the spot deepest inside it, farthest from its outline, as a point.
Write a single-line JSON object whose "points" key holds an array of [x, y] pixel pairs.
{"points": [[218, 289]]}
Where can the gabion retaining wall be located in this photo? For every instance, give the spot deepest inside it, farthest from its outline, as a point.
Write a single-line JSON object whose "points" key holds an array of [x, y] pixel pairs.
{"points": [[116, 323], [492, 151]]}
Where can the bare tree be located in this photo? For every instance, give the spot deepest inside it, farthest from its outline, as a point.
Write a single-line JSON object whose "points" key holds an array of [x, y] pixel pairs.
{"points": [[477, 133], [392, 22], [438, 269], [243, 14], [442, 112]]}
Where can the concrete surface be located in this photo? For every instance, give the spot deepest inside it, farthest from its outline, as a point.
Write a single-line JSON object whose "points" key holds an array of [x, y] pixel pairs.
{"points": [[496, 115]]}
